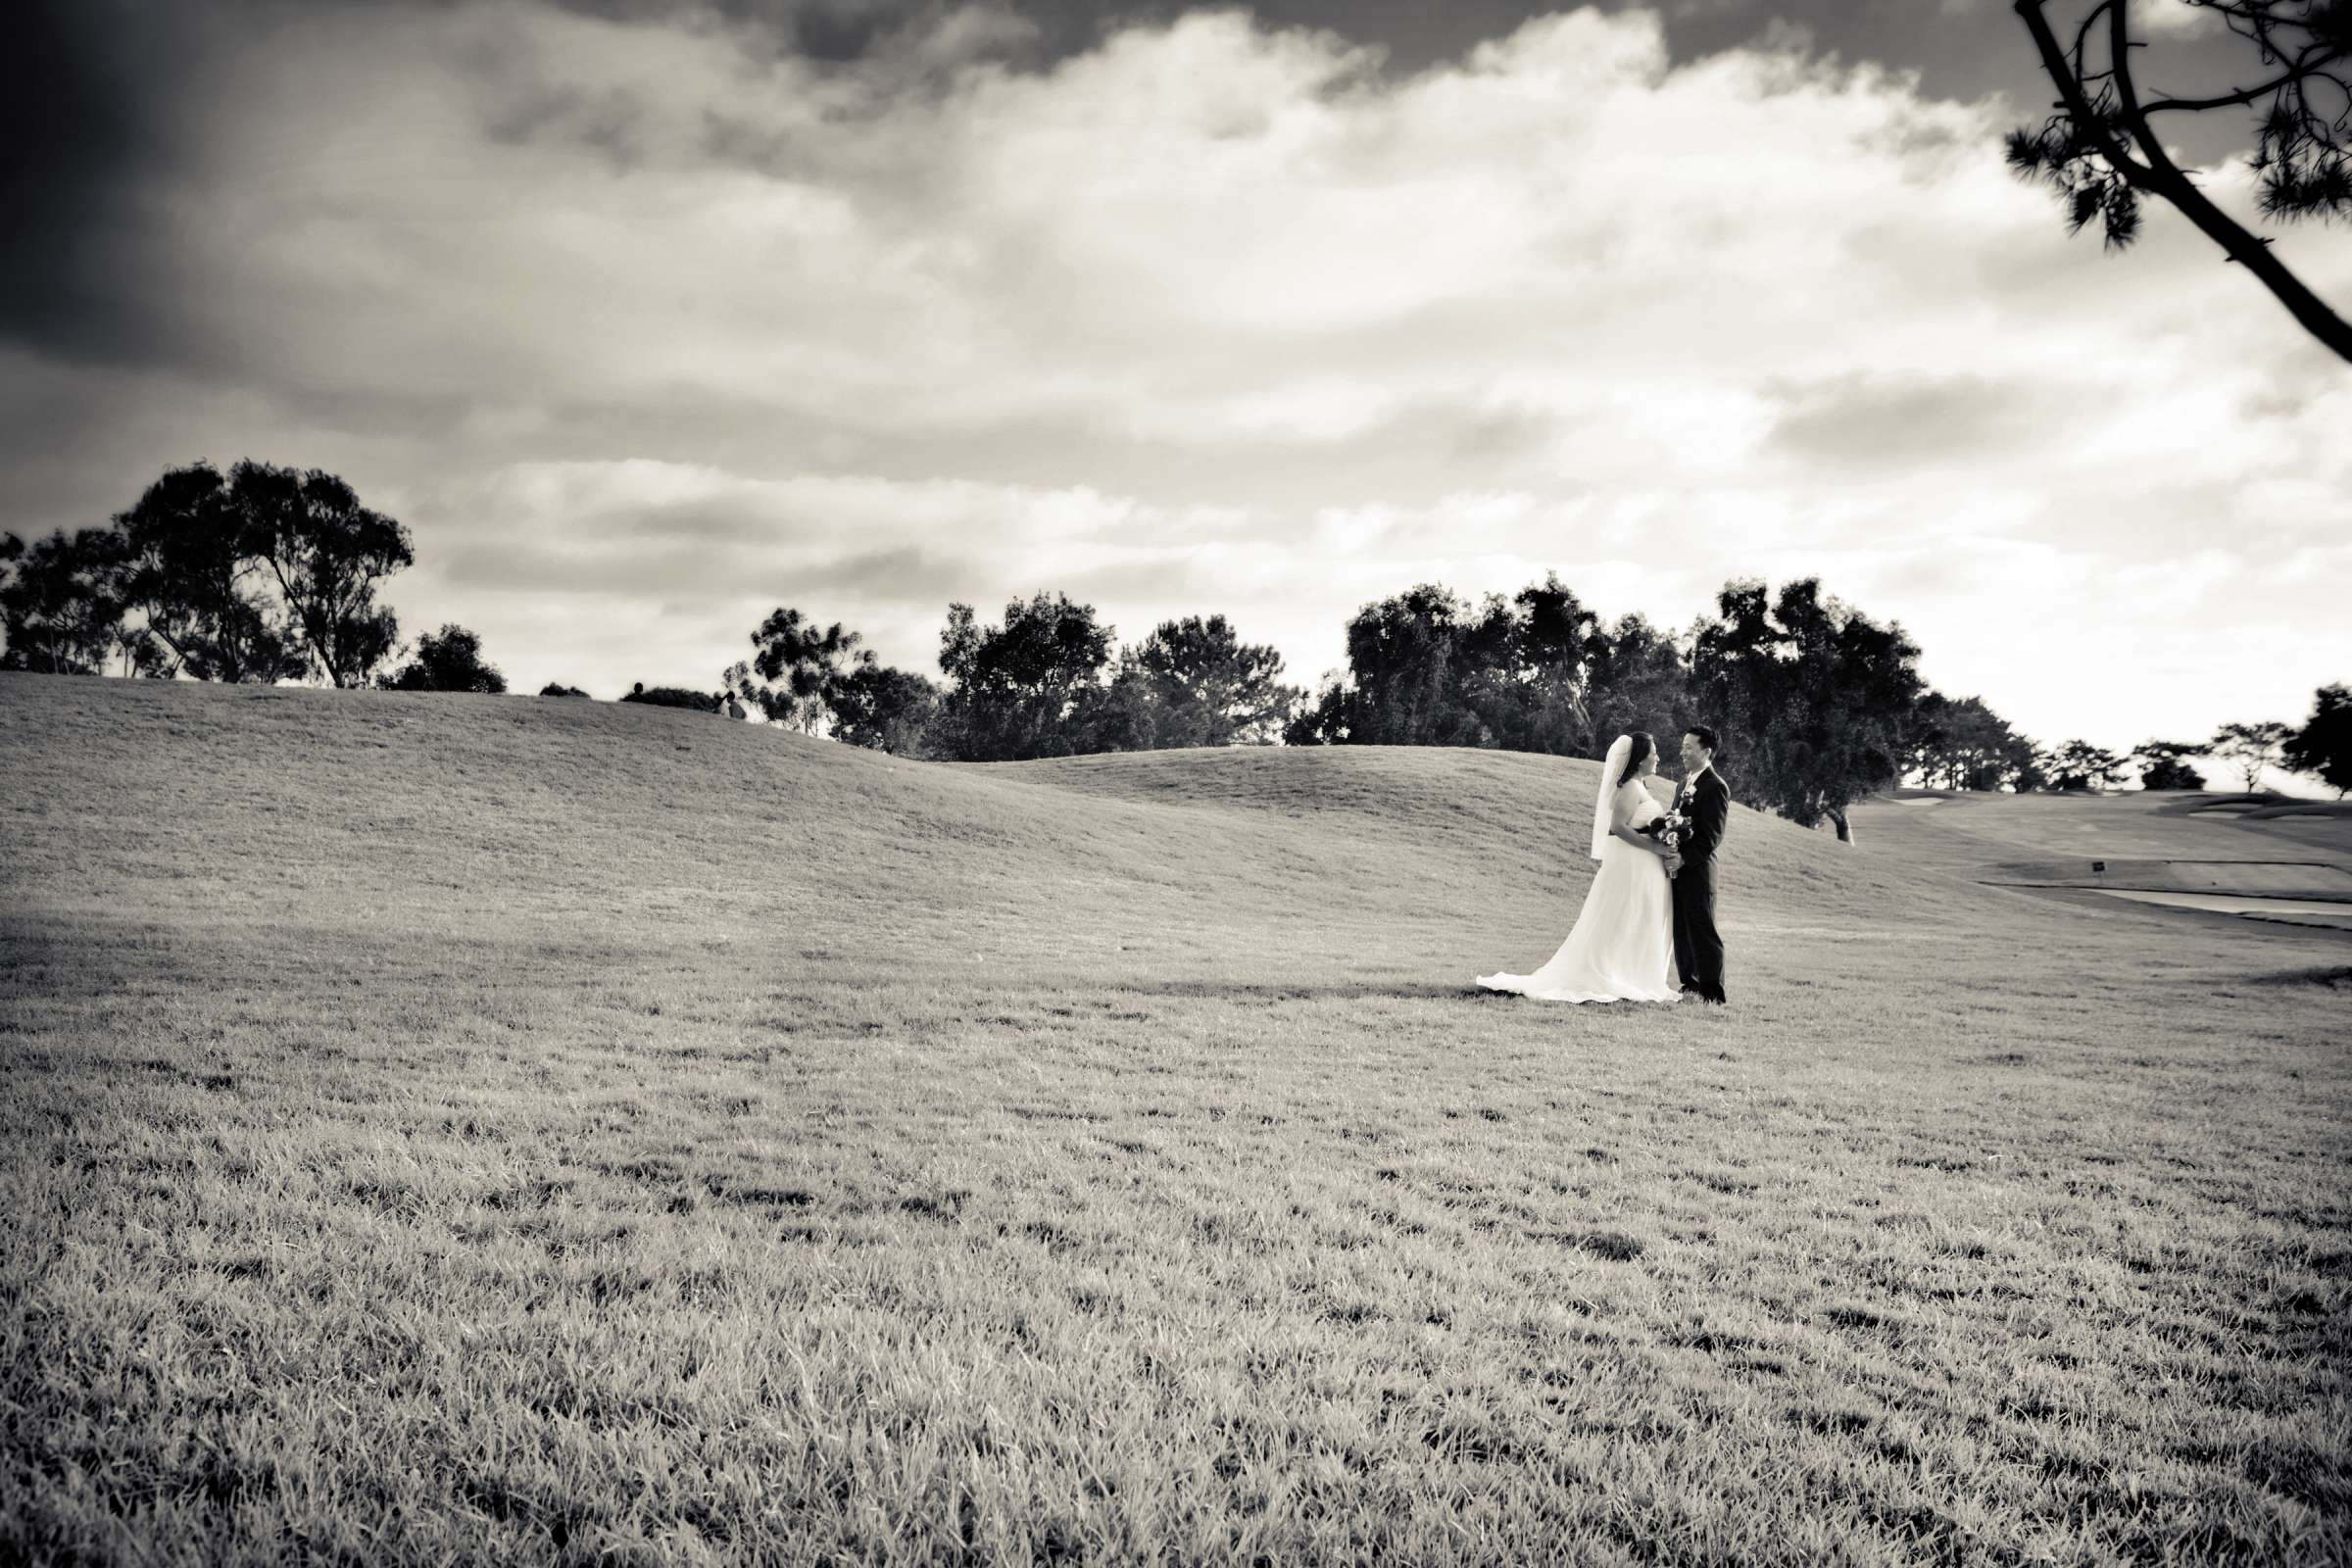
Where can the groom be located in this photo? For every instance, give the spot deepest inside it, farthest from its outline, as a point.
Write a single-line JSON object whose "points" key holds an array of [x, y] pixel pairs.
{"points": [[1706, 804]]}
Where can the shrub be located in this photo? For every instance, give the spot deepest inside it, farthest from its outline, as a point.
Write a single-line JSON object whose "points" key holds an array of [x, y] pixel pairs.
{"points": [[676, 696]]}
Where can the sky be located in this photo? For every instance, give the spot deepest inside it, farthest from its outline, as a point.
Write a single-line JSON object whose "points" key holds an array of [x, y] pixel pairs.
{"points": [[647, 317]]}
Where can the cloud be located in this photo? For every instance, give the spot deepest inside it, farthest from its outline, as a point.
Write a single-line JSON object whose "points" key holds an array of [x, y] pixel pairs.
{"points": [[1909, 423], [2176, 19], [647, 320]]}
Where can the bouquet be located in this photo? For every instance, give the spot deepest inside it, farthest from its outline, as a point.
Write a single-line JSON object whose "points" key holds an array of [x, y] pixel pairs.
{"points": [[1669, 830]]}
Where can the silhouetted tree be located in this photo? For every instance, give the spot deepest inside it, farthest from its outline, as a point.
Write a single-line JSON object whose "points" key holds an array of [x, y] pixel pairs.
{"points": [[191, 564], [1525, 668], [1535, 672], [559, 688], [447, 660], [63, 601], [1122, 714], [1410, 659], [2031, 764], [327, 553], [2250, 748], [884, 707], [1960, 744], [1638, 680], [1194, 682], [2081, 765], [1324, 719], [2009, 760], [1811, 698], [2101, 152], [1017, 687], [2323, 746], [2164, 764], [793, 670]]}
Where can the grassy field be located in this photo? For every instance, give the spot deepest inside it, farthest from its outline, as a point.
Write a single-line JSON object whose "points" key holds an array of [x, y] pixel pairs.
{"points": [[455, 1129]]}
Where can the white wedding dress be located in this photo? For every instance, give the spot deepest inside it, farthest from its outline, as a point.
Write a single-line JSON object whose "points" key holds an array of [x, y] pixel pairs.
{"points": [[1622, 946]]}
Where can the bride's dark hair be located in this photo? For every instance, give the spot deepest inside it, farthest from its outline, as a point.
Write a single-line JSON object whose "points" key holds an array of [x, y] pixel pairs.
{"points": [[1644, 745]]}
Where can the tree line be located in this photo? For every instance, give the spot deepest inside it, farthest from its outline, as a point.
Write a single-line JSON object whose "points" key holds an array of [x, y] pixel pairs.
{"points": [[1819, 704], [268, 573], [262, 575]]}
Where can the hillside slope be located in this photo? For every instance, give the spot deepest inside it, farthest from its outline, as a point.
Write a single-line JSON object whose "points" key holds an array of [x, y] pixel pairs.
{"points": [[519, 817]]}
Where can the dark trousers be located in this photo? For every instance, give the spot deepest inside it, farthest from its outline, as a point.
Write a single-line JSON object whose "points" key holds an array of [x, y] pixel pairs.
{"points": [[1697, 949]]}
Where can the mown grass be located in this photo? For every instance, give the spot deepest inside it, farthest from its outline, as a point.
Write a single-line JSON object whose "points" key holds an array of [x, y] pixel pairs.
{"points": [[472, 1128]]}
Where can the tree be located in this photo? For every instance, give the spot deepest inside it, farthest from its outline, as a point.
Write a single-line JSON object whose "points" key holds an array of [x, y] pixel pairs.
{"points": [[2101, 153], [1809, 696], [798, 667], [2250, 748], [558, 689], [327, 553], [1927, 737], [189, 568], [447, 660], [63, 602], [2030, 765], [883, 708], [2164, 764], [2081, 765], [1524, 667], [2323, 746], [1326, 720], [1535, 672], [1017, 687], [1406, 686], [1637, 679], [1194, 682], [1523, 673], [1961, 744]]}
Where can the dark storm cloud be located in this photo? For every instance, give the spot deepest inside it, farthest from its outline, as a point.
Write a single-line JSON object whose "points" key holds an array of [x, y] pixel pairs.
{"points": [[1961, 48], [104, 105], [93, 97]]}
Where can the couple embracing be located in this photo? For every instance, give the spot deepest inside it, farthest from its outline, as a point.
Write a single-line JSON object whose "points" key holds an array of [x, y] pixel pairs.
{"points": [[1647, 930]]}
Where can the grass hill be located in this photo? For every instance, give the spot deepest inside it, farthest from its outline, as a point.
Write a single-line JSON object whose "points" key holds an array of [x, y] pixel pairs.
{"points": [[446, 1125], [535, 816]]}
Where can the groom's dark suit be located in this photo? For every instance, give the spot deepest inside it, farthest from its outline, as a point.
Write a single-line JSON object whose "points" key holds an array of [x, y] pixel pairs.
{"points": [[1697, 949]]}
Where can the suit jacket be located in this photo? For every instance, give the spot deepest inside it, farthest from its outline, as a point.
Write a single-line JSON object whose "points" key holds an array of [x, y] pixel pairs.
{"points": [[1706, 801]]}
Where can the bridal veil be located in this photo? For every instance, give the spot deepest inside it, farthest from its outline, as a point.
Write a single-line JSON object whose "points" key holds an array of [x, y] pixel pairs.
{"points": [[1612, 774]]}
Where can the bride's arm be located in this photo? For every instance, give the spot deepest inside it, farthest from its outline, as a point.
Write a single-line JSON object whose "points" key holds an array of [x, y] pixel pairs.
{"points": [[1639, 841], [1618, 829]]}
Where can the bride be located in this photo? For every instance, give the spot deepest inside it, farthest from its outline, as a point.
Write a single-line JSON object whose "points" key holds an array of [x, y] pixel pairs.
{"points": [[1622, 947]]}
